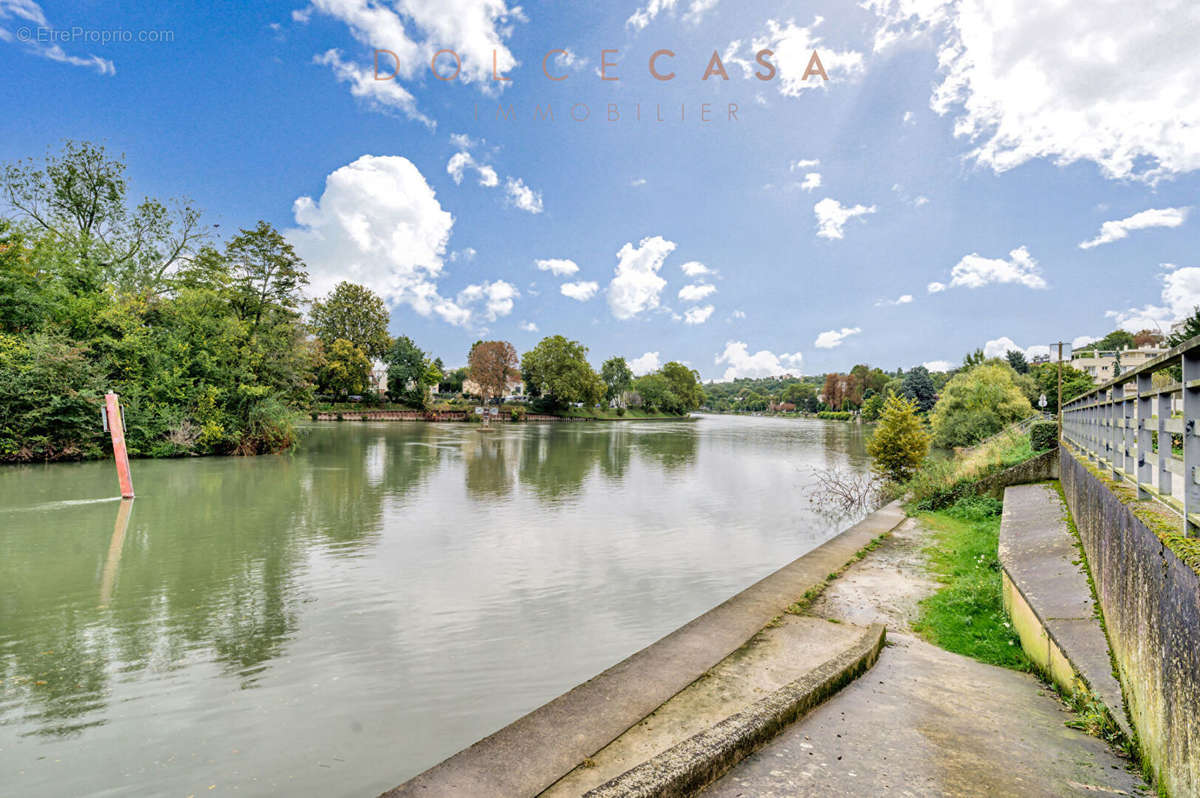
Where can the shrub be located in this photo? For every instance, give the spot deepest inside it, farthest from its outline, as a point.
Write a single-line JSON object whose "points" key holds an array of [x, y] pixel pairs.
{"points": [[620, 411], [900, 441], [1043, 435], [976, 404]]}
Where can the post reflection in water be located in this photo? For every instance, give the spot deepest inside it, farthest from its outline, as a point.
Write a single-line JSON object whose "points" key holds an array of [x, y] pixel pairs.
{"points": [[335, 620]]}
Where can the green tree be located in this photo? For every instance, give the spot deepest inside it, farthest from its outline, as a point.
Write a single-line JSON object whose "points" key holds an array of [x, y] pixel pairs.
{"points": [[79, 198], [1188, 329], [872, 407], [407, 369], [557, 369], [976, 404], [617, 378], [1074, 383], [655, 392], [973, 359], [352, 313], [347, 369], [268, 275], [452, 381], [1114, 341], [900, 443], [686, 392], [918, 386], [1016, 359]]}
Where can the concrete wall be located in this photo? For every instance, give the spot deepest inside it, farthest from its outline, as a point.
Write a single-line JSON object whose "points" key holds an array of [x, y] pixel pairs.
{"points": [[1151, 605], [1037, 469]]}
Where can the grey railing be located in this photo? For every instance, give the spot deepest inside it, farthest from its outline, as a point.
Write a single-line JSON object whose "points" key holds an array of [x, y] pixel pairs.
{"points": [[1128, 426]]}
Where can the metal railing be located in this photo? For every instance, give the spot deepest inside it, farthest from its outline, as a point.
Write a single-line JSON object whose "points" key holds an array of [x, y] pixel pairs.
{"points": [[1128, 427]]}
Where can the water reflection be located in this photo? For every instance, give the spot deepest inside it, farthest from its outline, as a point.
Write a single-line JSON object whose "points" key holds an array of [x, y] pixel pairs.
{"points": [[425, 583]]}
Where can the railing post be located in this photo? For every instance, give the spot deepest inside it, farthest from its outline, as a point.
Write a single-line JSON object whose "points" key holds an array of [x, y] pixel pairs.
{"points": [[1191, 442], [1165, 400], [1145, 472], [1128, 440], [1115, 457]]}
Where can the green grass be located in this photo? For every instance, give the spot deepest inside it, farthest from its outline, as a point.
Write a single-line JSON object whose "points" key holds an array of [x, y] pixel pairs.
{"points": [[966, 615]]}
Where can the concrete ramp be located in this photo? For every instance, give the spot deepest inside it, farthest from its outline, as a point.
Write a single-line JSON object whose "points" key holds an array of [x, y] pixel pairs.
{"points": [[1047, 594]]}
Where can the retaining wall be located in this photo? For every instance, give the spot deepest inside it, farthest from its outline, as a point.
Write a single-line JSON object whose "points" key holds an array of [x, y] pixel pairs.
{"points": [[1151, 604]]}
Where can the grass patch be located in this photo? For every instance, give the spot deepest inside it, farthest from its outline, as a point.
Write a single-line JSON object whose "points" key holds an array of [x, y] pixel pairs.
{"points": [[966, 615], [941, 483]]}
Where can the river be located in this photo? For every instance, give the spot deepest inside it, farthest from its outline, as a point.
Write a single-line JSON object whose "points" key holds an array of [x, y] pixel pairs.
{"points": [[333, 621]]}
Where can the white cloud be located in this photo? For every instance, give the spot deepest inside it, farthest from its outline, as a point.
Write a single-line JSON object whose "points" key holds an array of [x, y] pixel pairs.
{"points": [[909, 118], [694, 268], [644, 364], [803, 164], [522, 196], [697, 315], [903, 299], [636, 284], [737, 314], [1154, 217], [637, 181], [1083, 340], [1180, 297], [517, 193], [560, 267], [999, 346], [415, 29], [377, 94], [377, 223], [811, 180], [936, 288], [793, 46], [831, 339], [1107, 82], [696, 291], [528, 326], [645, 15], [938, 365], [832, 217], [921, 200], [497, 298], [30, 12], [581, 291], [976, 271], [762, 363]]}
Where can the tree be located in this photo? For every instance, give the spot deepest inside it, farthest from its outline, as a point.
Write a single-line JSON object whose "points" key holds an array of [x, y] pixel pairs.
{"points": [[558, 369], [617, 378], [452, 382], [352, 313], [1186, 330], [408, 372], [347, 368], [492, 364], [873, 407], [918, 386], [1115, 341], [78, 197], [976, 404], [1074, 383], [900, 443], [268, 275], [973, 359], [686, 393], [802, 394], [1016, 359], [1143, 338], [655, 391]]}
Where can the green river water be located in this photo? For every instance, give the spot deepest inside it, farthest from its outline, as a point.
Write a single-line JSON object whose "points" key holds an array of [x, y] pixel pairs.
{"points": [[333, 621]]}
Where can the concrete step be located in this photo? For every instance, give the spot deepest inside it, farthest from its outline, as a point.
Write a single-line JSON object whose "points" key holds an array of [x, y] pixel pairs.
{"points": [[1046, 592], [736, 707]]}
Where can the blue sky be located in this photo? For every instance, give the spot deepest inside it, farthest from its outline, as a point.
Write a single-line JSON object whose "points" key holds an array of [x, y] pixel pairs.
{"points": [[958, 144]]}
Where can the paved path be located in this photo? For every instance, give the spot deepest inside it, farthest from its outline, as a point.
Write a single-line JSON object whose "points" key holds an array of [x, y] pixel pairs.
{"points": [[923, 721]]}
